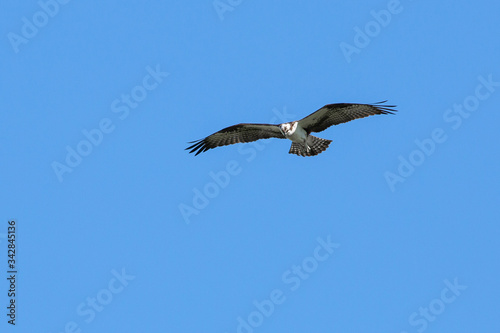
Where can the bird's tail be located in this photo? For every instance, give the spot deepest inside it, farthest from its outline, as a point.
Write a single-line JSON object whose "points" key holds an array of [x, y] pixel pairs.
{"points": [[316, 145]]}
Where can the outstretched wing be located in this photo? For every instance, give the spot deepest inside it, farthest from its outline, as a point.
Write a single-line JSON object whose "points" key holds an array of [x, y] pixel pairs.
{"points": [[334, 114], [235, 134]]}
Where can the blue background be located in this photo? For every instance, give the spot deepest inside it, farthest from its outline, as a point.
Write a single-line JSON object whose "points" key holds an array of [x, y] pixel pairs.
{"points": [[127, 207]]}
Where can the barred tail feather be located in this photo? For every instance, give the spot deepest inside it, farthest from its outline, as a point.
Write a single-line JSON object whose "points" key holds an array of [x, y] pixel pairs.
{"points": [[316, 146]]}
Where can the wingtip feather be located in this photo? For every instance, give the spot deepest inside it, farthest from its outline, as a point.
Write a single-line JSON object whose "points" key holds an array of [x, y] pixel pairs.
{"points": [[384, 108]]}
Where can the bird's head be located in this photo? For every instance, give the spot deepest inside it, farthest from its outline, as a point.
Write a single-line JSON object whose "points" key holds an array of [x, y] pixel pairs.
{"points": [[285, 128]]}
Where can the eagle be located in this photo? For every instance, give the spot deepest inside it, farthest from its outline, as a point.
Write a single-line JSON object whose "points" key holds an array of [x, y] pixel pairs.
{"points": [[299, 131]]}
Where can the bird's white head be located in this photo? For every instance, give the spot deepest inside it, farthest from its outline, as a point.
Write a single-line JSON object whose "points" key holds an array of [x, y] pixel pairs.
{"points": [[286, 129]]}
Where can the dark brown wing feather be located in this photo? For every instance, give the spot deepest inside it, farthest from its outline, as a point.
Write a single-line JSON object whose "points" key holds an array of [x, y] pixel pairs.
{"points": [[236, 134], [334, 114]]}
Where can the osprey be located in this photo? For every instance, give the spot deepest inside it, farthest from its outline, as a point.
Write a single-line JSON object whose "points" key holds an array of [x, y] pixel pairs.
{"points": [[299, 132]]}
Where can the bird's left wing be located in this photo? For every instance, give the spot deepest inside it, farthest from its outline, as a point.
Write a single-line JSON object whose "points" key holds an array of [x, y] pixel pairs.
{"points": [[236, 134], [334, 114]]}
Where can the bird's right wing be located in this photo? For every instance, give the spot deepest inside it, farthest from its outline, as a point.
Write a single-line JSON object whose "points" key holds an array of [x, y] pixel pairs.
{"points": [[236, 134], [334, 114]]}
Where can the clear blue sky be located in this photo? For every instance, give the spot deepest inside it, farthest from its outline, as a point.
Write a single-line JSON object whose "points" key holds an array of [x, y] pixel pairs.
{"points": [[394, 228]]}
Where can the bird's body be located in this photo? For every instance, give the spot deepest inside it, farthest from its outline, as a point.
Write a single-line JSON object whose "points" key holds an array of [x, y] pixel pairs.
{"points": [[294, 132], [303, 144]]}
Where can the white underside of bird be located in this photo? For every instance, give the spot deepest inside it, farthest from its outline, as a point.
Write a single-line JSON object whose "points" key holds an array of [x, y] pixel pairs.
{"points": [[292, 131], [303, 144]]}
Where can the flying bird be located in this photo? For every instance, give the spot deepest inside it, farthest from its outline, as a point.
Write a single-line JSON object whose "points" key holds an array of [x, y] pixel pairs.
{"points": [[299, 132]]}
